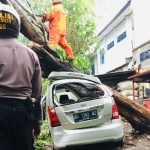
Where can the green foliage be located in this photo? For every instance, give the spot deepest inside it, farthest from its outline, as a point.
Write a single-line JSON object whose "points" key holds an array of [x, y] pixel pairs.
{"points": [[44, 137], [83, 64], [81, 25], [80, 31], [40, 7], [44, 85], [61, 53], [80, 62], [80, 28], [23, 39], [103, 51]]}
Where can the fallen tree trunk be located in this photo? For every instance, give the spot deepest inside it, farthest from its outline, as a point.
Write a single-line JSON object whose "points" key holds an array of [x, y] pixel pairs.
{"points": [[137, 115], [49, 60]]}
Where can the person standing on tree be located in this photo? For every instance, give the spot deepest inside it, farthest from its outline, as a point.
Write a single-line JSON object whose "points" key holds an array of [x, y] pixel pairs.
{"points": [[57, 28], [20, 81]]}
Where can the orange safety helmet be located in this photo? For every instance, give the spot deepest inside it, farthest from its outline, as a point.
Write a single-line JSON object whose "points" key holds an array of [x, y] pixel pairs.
{"points": [[56, 1]]}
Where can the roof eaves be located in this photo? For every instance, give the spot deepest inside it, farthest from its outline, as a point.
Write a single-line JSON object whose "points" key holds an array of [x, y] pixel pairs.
{"points": [[115, 76], [140, 74], [111, 71]]}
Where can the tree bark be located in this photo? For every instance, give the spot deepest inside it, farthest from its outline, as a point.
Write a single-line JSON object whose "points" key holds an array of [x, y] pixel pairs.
{"points": [[49, 60], [137, 115]]}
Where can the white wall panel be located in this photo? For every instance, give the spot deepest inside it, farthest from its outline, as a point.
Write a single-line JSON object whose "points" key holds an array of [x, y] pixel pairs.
{"points": [[121, 28], [141, 17], [109, 37]]}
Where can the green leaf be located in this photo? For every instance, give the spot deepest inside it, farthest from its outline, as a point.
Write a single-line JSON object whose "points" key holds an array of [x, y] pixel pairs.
{"points": [[80, 28]]}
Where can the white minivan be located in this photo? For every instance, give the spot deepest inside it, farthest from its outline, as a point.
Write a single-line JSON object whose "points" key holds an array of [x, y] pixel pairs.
{"points": [[81, 110]]}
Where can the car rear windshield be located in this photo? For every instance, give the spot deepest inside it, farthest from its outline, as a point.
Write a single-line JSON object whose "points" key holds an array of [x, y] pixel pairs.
{"points": [[70, 93]]}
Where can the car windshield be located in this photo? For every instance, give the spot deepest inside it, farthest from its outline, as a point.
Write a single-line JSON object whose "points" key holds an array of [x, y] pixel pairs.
{"points": [[73, 92]]}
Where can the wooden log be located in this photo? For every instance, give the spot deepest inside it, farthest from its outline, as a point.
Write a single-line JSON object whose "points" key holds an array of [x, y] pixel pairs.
{"points": [[136, 114], [50, 60]]}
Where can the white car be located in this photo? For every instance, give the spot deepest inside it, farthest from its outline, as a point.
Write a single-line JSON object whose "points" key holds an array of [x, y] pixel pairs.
{"points": [[81, 110]]}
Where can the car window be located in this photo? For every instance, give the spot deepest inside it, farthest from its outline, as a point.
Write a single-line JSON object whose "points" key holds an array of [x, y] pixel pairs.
{"points": [[76, 92]]}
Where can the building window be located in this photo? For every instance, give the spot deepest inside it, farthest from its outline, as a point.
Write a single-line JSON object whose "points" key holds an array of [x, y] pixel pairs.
{"points": [[148, 54], [110, 45], [145, 55], [102, 57], [121, 37]]}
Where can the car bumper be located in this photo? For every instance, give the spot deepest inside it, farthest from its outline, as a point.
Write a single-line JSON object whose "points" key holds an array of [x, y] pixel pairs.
{"points": [[107, 132]]}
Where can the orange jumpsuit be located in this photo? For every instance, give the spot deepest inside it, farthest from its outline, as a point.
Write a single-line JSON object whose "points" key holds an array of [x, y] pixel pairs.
{"points": [[57, 29]]}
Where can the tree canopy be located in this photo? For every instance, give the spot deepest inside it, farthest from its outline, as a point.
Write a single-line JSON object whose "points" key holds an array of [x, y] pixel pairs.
{"points": [[80, 28]]}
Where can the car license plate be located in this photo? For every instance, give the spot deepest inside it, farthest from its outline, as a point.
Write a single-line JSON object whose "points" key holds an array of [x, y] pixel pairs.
{"points": [[88, 115]]}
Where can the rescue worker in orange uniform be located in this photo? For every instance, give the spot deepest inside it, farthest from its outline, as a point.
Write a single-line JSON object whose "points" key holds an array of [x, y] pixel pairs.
{"points": [[57, 28]]}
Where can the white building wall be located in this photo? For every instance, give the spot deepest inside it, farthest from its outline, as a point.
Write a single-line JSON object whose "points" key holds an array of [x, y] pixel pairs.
{"points": [[94, 61], [136, 53], [124, 48], [97, 62], [141, 20], [109, 55], [96, 66], [141, 31], [102, 44], [110, 37], [101, 67], [137, 27], [115, 57], [121, 27], [129, 34]]}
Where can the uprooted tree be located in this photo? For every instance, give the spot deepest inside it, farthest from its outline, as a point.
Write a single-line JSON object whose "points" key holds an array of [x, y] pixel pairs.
{"points": [[137, 115]]}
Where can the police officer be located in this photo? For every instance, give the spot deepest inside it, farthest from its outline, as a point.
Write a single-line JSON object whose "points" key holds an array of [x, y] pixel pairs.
{"points": [[20, 79]]}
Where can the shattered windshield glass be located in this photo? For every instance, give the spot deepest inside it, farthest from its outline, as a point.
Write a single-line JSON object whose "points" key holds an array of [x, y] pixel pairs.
{"points": [[75, 92]]}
